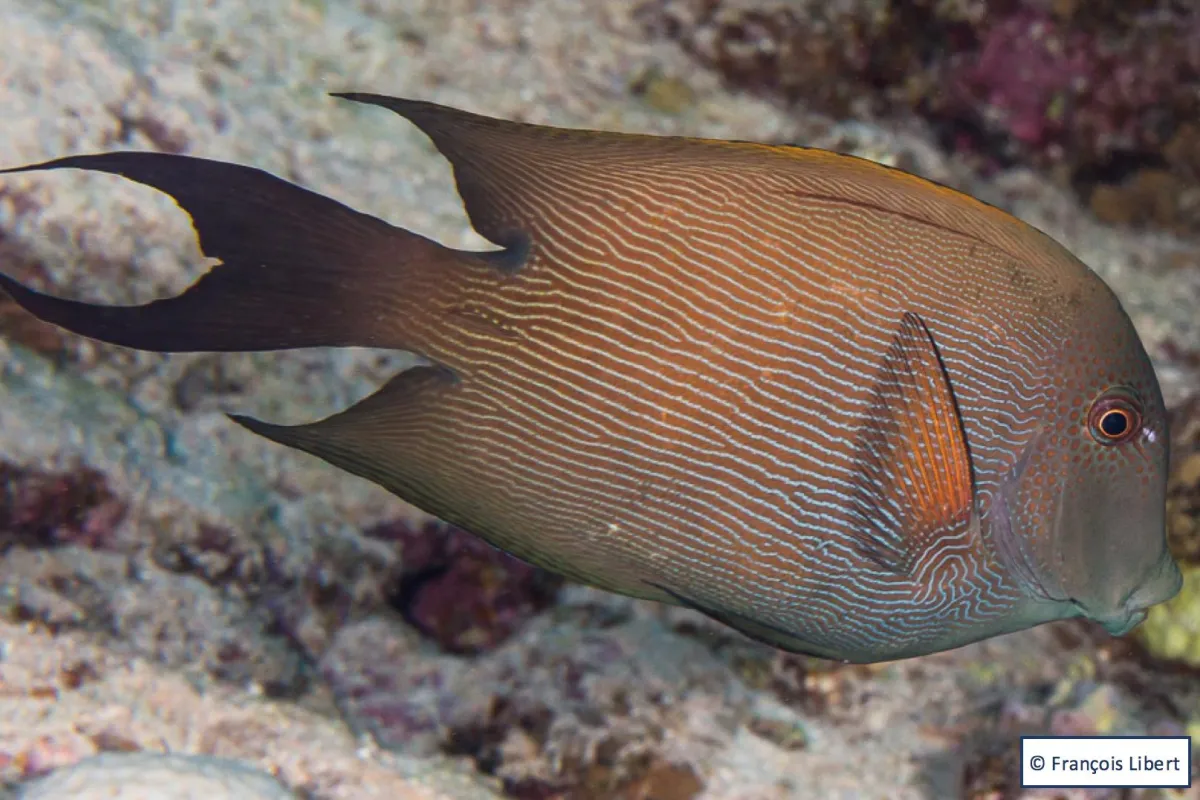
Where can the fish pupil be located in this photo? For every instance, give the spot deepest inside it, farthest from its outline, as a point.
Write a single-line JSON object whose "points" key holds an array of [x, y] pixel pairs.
{"points": [[1114, 424], [1115, 417]]}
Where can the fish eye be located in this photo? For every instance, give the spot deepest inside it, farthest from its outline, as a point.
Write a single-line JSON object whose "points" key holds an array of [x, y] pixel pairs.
{"points": [[1115, 418]]}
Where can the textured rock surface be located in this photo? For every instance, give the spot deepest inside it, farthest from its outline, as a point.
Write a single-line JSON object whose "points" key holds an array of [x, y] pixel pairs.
{"points": [[1172, 630], [67, 698], [170, 583], [139, 776], [1104, 94]]}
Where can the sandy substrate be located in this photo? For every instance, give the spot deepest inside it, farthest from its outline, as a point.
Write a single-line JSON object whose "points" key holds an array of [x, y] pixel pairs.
{"points": [[158, 640]]}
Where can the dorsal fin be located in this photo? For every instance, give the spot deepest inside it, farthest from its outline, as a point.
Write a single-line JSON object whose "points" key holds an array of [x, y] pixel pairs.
{"points": [[499, 165], [915, 484], [509, 173]]}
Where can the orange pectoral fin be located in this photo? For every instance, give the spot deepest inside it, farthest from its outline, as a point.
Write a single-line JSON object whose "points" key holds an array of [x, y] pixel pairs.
{"points": [[914, 488]]}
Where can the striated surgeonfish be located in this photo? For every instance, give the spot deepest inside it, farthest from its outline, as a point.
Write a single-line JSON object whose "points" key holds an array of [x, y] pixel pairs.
{"points": [[842, 409]]}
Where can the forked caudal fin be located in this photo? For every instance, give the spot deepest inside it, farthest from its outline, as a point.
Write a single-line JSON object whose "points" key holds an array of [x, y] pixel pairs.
{"points": [[297, 269]]}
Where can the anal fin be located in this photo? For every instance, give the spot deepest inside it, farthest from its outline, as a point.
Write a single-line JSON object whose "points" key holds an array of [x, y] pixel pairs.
{"points": [[757, 630], [374, 438]]}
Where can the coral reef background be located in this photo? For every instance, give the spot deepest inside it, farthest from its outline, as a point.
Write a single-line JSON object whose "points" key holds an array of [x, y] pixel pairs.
{"points": [[171, 584]]}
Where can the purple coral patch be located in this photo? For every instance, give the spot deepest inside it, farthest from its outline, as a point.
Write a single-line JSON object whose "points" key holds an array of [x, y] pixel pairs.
{"points": [[461, 592], [1099, 91], [1028, 73], [44, 509]]}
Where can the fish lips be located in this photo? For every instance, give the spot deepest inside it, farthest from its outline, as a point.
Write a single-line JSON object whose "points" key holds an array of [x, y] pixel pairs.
{"points": [[1122, 623], [1164, 584]]}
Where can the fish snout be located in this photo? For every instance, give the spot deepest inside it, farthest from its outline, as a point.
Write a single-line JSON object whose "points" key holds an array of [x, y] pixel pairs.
{"points": [[1123, 621], [1161, 587]]}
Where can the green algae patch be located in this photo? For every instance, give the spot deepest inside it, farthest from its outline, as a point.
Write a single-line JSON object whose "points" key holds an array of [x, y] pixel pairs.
{"points": [[1172, 629]]}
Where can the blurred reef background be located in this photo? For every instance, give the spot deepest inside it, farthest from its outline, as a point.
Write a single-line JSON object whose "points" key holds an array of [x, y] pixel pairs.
{"points": [[172, 584]]}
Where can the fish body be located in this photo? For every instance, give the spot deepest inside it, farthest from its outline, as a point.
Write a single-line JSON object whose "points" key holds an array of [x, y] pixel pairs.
{"points": [[840, 408]]}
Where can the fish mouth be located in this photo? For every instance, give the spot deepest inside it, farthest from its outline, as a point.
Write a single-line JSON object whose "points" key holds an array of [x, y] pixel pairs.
{"points": [[1159, 587], [1165, 583], [1122, 622]]}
